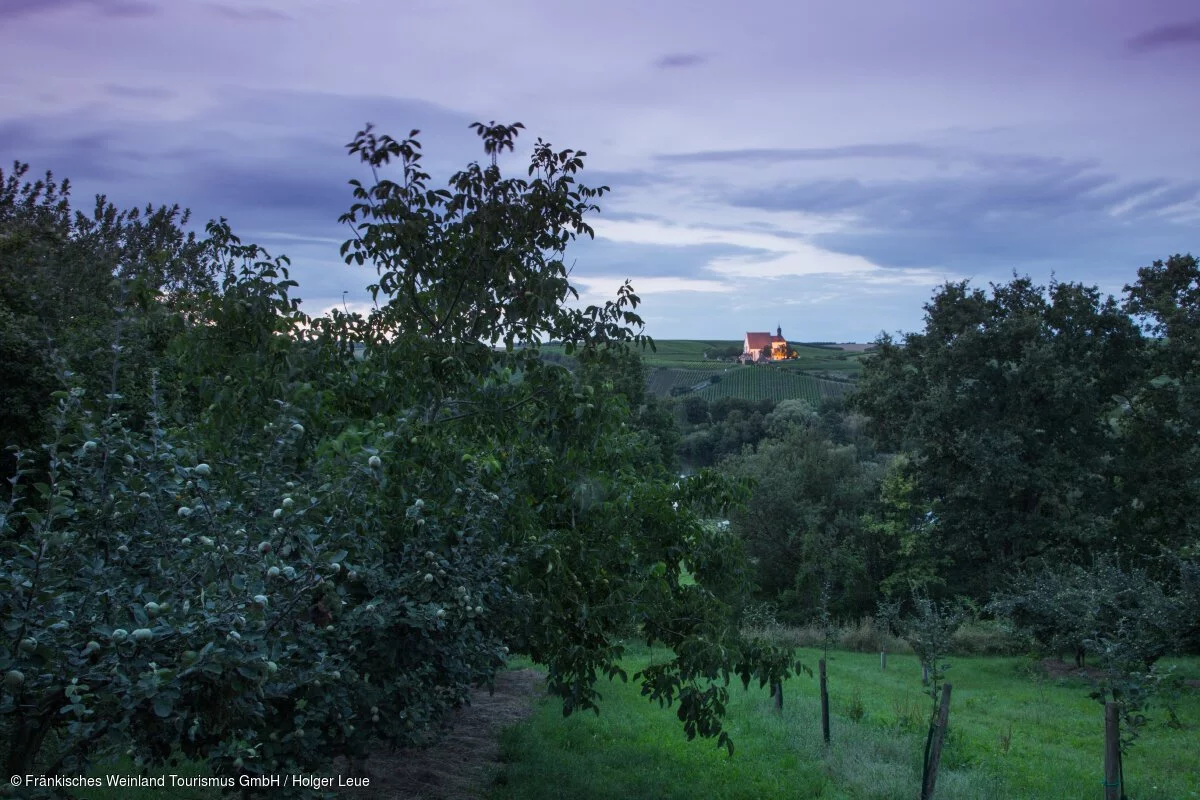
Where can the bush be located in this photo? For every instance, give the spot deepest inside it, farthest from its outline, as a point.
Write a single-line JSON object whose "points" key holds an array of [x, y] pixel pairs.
{"points": [[161, 601], [989, 638], [786, 637], [980, 638], [855, 709], [867, 637], [1121, 615], [861, 637]]}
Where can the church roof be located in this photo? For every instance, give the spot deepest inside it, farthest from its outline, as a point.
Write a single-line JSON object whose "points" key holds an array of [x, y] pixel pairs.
{"points": [[757, 340]]}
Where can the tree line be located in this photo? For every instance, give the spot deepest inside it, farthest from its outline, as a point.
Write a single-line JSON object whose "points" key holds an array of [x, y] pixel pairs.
{"points": [[1028, 443]]}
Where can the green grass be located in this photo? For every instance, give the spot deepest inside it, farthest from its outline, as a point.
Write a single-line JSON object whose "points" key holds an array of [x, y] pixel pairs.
{"points": [[125, 767], [1011, 735], [684, 352]]}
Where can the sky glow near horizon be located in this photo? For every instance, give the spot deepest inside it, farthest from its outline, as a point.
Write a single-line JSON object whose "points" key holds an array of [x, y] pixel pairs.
{"points": [[823, 168]]}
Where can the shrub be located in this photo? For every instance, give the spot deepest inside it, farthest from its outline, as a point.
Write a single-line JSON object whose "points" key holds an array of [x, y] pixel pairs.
{"points": [[146, 627], [1118, 613], [786, 637], [867, 637], [929, 630], [908, 713], [855, 710], [989, 638]]}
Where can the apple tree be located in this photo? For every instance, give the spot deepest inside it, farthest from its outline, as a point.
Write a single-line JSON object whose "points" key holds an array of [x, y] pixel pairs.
{"points": [[294, 539]]}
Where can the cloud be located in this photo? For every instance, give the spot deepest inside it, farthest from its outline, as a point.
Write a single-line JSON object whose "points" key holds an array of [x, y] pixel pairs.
{"points": [[97, 155], [273, 163], [939, 155], [680, 60], [139, 92], [619, 180], [250, 14], [109, 8], [602, 258], [959, 199], [653, 232], [955, 209], [716, 250], [605, 286], [17, 8], [280, 236], [363, 309], [1176, 34], [761, 256], [777, 154], [1162, 198], [801, 259]]}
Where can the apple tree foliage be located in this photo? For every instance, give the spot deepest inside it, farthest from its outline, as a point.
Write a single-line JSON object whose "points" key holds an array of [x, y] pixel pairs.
{"points": [[90, 293], [266, 540], [1124, 618]]}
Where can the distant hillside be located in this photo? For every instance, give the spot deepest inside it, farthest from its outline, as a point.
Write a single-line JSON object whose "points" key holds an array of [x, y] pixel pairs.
{"points": [[745, 382], [679, 367], [690, 353]]}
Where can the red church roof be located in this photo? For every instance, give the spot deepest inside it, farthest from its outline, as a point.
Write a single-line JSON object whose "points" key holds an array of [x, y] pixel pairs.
{"points": [[757, 341]]}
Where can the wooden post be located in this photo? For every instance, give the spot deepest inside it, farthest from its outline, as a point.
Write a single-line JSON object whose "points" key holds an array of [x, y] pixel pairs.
{"points": [[1112, 752], [935, 750], [824, 704], [777, 695], [883, 659]]}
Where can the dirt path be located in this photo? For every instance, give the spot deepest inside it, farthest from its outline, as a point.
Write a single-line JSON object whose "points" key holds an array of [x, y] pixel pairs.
{"points": [[461, 767], [1057, 668]]}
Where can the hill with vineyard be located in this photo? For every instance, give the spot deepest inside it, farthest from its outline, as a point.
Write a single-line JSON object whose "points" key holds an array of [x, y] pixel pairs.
{"points": [[708, 369], [745, 382]]}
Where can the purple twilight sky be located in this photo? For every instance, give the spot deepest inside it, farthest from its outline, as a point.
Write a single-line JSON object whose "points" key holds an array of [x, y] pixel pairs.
{"points": [[817, 165]]}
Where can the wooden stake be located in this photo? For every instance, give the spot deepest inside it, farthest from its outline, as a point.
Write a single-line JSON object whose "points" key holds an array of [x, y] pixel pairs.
{"points": [[824, 704], [1112, 752], [935, 750]]}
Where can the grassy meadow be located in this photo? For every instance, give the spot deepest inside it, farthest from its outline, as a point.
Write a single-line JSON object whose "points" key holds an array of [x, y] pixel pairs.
{"points": [[1013, 734], [125, 767]]}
